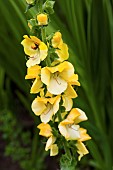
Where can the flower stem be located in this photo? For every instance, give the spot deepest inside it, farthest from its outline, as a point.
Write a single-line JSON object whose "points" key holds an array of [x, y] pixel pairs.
{"points": [[67, 150], [43, 33], [59, 116]]}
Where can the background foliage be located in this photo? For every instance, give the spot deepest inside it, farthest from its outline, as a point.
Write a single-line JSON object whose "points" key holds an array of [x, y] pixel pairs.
{"points": [[87, 28]]}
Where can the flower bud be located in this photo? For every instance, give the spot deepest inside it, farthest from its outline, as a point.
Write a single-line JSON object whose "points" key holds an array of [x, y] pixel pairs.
{"points": [[30, 2], [42, 19], [57, 39]]}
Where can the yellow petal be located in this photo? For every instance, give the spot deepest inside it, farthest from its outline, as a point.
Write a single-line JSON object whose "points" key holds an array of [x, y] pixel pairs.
{"points": [[42, 19], [36, 87], [57, 39], [70, 92], [65, 66], [43, 51], [62, 52], [81, 149], [38, 107], [29, 45], [54, 150], [56, 104], [49, 142], [73, 115], [45, 130], [33, 72], [67, 70], [67, 102], [74, 80], [83, 135], [35, 40], [82, 116]]}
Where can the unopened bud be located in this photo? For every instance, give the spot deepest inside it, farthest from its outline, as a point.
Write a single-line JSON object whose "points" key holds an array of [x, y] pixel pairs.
{"points": [[42, 19], [30, 2]]}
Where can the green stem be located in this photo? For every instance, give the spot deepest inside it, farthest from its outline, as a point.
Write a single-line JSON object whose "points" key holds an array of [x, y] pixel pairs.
{"points": [[43, 32], [67, 150], [59, 116]]}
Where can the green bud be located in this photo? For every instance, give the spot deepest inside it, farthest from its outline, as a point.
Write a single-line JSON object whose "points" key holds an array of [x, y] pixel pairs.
{"points": [[30, 1]]}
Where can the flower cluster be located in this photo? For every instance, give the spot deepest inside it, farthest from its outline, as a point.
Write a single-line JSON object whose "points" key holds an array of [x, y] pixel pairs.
{"points": [[54, 82]]}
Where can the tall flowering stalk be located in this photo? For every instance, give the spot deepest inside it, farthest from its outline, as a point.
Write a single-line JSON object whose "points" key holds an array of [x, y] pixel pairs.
{"points": [[54, 83]]}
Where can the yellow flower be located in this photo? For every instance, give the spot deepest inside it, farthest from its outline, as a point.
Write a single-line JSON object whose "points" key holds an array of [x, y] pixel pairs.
{"points": [[35, 49], [34, 72], [56, 77], [57, 40], [30, 1], [81, 149], [50, 145], [68, 127], [42, 19], [45, 130], [62, 48], [45, 107]]}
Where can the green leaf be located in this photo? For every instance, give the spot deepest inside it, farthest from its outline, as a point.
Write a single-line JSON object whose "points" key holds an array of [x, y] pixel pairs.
{"points": [[48, 6]]}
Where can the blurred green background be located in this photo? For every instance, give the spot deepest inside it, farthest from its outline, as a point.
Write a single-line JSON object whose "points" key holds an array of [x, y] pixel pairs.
{"points": [[87, 28]]}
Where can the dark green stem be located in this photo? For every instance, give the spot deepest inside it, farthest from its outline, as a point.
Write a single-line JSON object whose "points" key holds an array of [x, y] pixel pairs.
{"points": [[43, 32], [59, 116], [67, 150]]}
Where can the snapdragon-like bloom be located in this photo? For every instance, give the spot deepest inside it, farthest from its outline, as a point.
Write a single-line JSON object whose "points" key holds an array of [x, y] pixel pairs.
{"points": [[69, 128], [35, 49], [46, 130], [46, 107], [42, 19], [81, 149], [61, 48], [50, 145], [34, 72], [56, 78]]}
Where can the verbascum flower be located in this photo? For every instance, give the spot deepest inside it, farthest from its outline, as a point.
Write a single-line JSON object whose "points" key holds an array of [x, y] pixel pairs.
{"points": [[30, 1], [46, 107], [56, 78], [51, 146], [61, 48], [42, 19], [68, 127], [46, 130], [81, 149], [35, 49], [34, 72], [57, 40]]}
